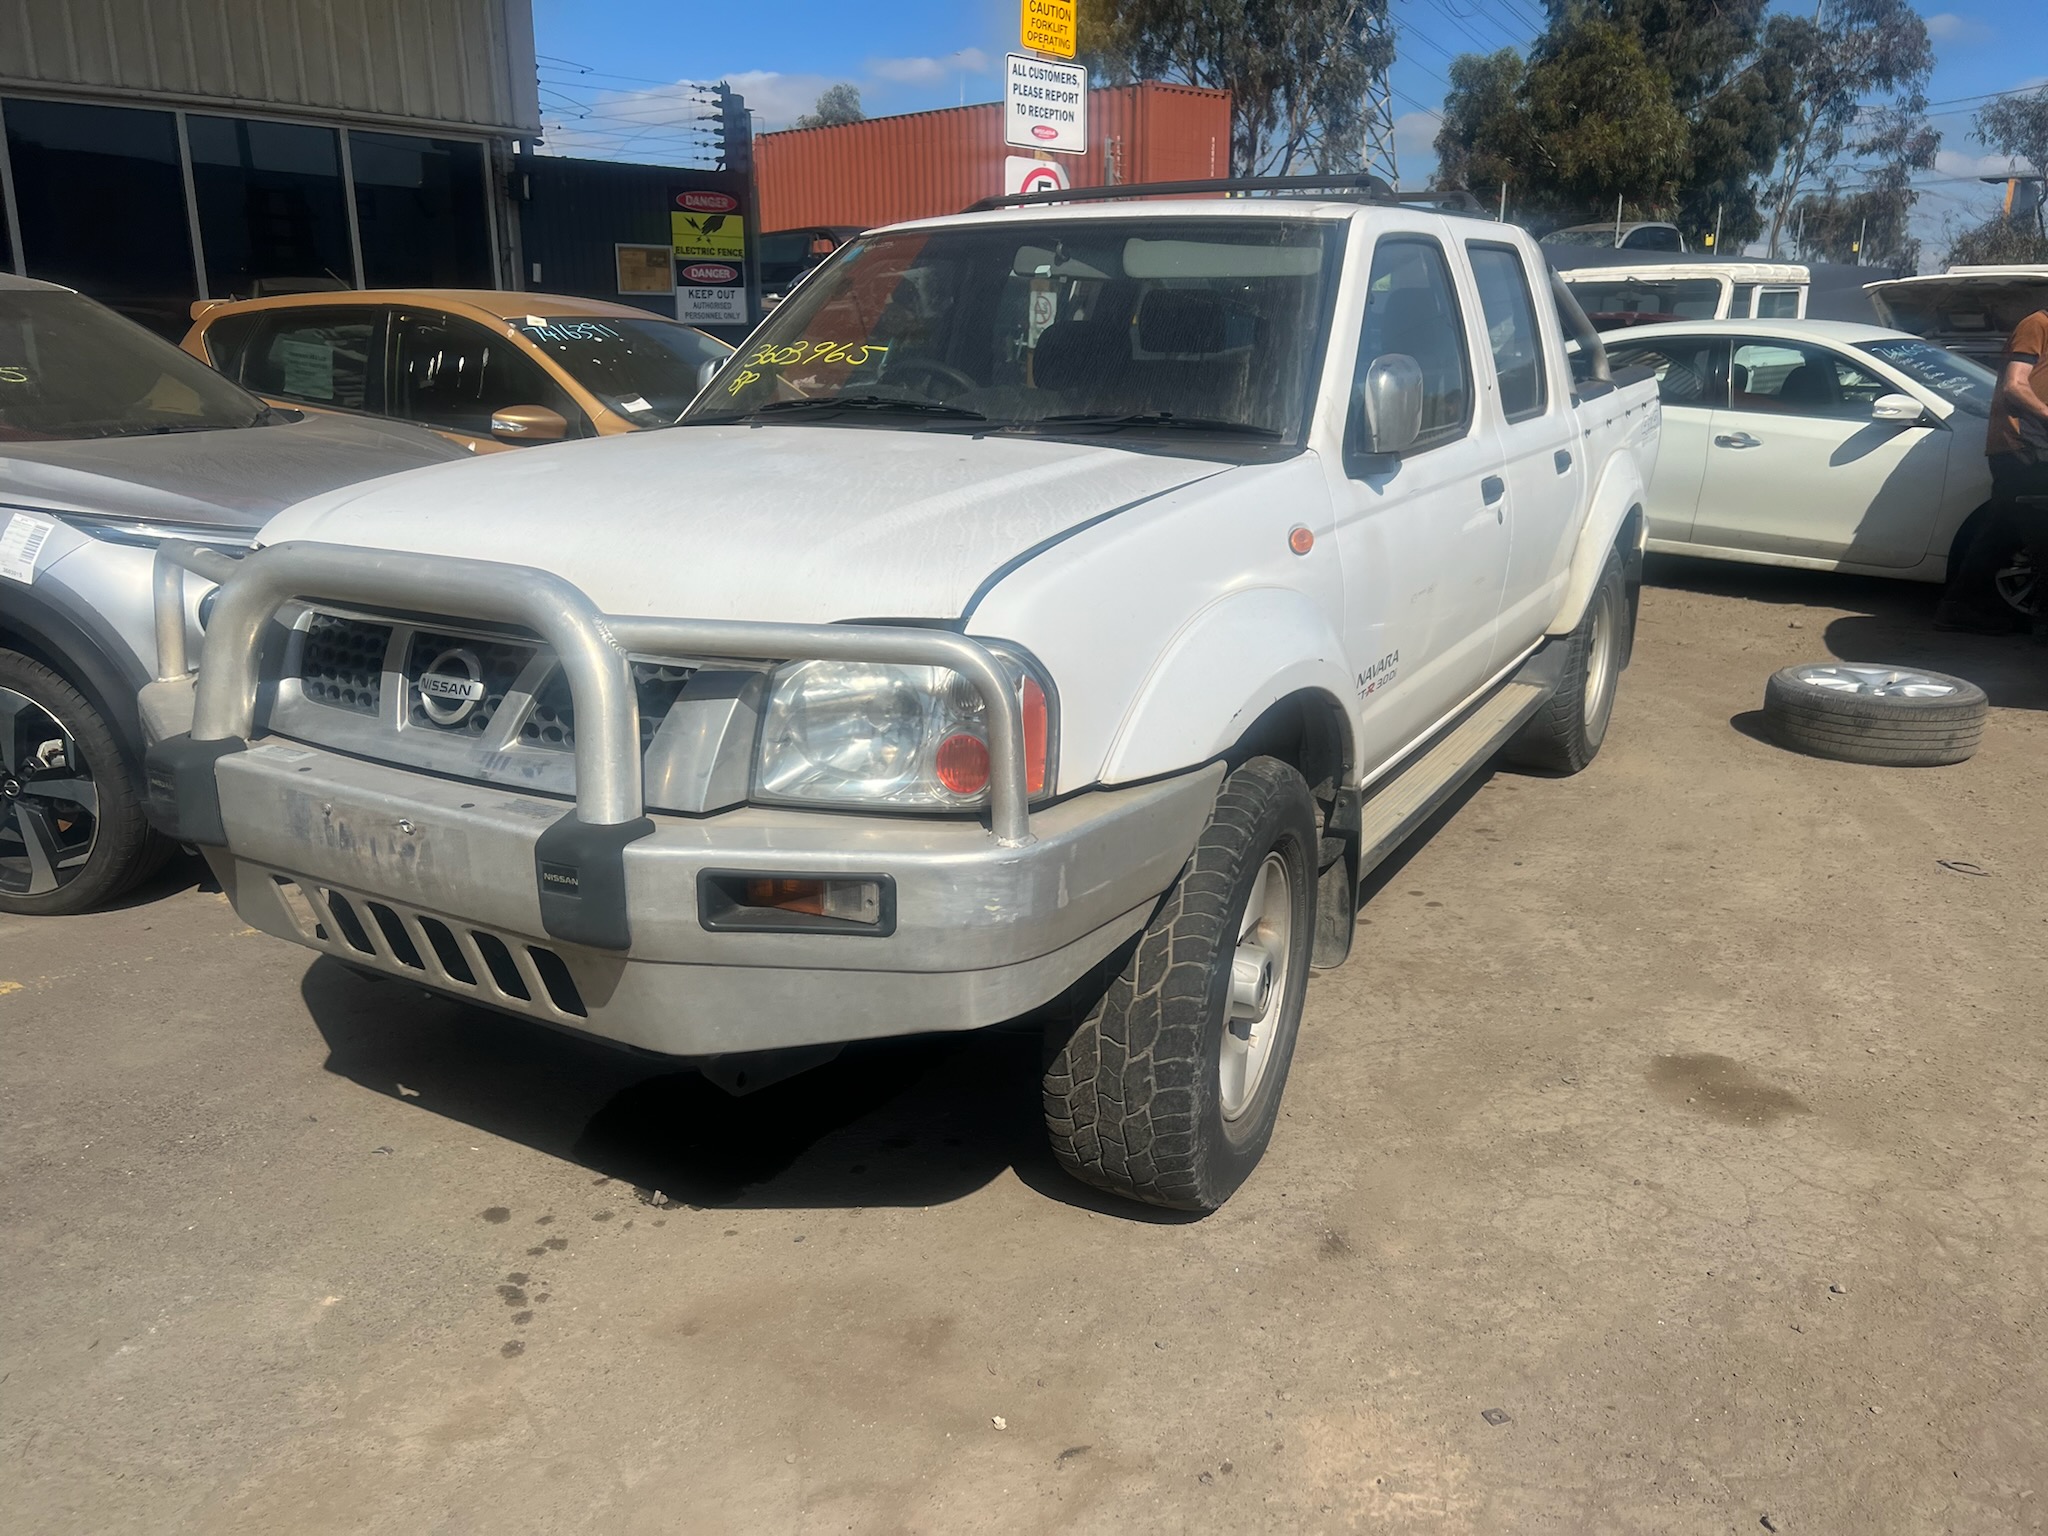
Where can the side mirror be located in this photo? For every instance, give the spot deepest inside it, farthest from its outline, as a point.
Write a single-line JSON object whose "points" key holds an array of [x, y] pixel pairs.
{"points": [[1900, 410], [1390, 403], [528, 424], [708, 370]]}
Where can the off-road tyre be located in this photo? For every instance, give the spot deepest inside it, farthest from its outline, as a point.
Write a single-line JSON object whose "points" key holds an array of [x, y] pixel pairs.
{"points": [[1940, 721], [123, 849], [1565, 734], [1133, 1095]]}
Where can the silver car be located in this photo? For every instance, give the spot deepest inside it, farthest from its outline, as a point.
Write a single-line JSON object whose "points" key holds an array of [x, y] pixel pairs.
{"points": [[110, 441]]}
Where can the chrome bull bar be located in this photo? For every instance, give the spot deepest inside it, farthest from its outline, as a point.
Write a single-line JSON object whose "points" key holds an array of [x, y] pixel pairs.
{"points": [[591, 647]]}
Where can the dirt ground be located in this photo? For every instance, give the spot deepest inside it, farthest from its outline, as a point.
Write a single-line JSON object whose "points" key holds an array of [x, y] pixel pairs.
{"points": [[1668, 1157]]}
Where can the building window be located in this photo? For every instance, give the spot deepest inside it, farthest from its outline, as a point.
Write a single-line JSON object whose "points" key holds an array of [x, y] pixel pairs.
{"points": [[271, 213], [101, 199], [420, 211]]}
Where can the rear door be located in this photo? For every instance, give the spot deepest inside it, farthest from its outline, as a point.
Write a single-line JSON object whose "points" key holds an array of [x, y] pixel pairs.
{"points": [[1423, 539], [1530, 416], [1795, 465], [1692, 382], [323, 358]]}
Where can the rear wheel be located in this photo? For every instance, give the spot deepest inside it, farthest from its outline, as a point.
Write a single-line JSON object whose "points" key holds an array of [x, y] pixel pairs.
{"points": [[1565, 734], [72, 832], [1168, 1091]]}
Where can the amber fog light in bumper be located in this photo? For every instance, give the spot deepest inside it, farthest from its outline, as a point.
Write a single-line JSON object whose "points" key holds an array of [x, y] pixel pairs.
{"points": [[731, 901]]}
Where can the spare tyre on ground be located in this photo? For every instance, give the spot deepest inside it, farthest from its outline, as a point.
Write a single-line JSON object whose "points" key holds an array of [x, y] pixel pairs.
{"points": [[1858, 712]]}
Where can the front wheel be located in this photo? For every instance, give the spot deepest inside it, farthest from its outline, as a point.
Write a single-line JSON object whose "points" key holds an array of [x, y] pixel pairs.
{"points": [[72, 832], [1168, 1091]]}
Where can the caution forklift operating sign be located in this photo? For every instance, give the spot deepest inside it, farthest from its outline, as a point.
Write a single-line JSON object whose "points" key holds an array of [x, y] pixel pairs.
{"points": [[1047, 26]]}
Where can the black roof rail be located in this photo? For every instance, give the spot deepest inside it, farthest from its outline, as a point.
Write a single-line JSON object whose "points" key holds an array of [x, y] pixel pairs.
{"points": [[1343, 186]]}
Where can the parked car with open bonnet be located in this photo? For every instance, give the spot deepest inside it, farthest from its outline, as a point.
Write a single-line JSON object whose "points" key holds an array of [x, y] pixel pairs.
{"points": [[1053, 610]]}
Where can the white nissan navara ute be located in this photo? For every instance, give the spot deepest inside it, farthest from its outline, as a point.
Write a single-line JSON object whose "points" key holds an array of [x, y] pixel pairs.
{"points": [[1054, 611]]}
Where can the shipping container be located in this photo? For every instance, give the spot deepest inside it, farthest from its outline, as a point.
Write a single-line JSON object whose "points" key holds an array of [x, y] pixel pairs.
{"points": [[927, 163]]}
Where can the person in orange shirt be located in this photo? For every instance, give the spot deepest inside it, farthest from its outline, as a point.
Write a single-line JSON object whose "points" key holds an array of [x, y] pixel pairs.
{"points": [[2017, 529]]}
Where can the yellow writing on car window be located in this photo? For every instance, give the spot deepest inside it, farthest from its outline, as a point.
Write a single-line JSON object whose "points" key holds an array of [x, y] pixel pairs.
{"points": [[13, 375], [853, 353]]}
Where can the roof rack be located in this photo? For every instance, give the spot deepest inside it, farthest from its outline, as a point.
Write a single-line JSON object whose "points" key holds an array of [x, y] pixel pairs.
{"points": [[1343, 186]]}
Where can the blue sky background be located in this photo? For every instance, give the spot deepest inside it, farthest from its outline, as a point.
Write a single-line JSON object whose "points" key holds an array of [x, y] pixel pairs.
{"points": [[609, 70]]}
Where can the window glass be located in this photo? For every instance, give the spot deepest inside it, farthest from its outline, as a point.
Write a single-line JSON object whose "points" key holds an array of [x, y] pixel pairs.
{"points": [[271, 215], [72, 368], [1777, 304], [1964, 380], [1411, 307], [420, 211], [1795, 379], [330, 357], [1120, 330], [1745, 296], [1653, 238], [647, 370], [1510, 328], [1691, 371], [452, 374], [1614, 301], [101, 198]]}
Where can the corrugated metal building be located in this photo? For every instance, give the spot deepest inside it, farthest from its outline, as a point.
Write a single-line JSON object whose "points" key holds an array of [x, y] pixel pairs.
{"points": [[157, 151], [928, 163]]}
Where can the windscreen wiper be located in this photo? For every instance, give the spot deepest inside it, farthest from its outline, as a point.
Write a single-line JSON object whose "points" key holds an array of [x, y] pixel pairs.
{"points": [[1169, 419], [879, 403]]}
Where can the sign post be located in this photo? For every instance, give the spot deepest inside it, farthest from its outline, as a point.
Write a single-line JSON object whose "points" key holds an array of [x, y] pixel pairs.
{"points": [[1047, 26], [1045, 105]]}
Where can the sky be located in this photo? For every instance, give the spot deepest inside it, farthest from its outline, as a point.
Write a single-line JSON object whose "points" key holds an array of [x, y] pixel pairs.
{"points": [[609, 70]]}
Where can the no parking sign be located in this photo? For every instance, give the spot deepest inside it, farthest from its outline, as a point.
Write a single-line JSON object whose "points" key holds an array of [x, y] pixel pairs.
{"points": [[1021, 173]]}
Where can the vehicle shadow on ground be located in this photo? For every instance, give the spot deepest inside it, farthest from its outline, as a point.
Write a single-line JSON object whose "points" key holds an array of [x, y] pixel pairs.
{"points": [[1891, 622], [184, 872], [910, 1122]]}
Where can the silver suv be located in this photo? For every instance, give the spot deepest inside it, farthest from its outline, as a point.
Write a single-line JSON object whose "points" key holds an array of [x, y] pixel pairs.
{"points": [[112, 440]]}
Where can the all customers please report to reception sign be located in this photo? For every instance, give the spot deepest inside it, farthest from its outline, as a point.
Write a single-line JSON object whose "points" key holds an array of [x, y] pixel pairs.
{"points": [[1045, 105]]}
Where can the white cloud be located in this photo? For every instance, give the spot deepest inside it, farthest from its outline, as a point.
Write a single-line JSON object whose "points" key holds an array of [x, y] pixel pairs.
{"points": [[1415, 146], [1947, 27], [1953, 162], [924, 71], [776, 99]]}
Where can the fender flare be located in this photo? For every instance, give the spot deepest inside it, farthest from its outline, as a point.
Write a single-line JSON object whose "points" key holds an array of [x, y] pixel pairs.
{"points": [[1224, 668], [1619, 493], [47, 634]]}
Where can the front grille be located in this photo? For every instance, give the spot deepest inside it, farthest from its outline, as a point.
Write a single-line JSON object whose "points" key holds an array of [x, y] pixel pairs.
{"points": [[553, 720], [343, 664], [495, 664]]}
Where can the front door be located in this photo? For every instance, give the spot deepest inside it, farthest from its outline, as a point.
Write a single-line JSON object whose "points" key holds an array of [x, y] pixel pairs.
{"points": [[1795, 465], [1423, 539], [451, 374]]}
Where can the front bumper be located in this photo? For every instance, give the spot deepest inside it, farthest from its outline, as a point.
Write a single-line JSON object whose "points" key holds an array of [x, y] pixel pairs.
{"points": [[434, 884]]}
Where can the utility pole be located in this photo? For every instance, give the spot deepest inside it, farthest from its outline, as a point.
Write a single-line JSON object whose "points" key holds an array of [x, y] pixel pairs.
{"points": [[1862, 230], [1502, 218], [1717, 229], [1376, 153]]}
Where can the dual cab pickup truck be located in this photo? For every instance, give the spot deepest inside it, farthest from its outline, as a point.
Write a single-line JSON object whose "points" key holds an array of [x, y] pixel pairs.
{"points": [[1052, 611]]}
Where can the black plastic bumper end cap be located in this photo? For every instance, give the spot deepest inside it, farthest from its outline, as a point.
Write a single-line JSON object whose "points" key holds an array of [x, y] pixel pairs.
{"points": [[184, 799], [580, 869]]}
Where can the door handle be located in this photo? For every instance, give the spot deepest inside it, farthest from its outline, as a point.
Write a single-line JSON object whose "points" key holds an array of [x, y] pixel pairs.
{"points": [[1493, 488], [1563, 460], [1738, 440]]}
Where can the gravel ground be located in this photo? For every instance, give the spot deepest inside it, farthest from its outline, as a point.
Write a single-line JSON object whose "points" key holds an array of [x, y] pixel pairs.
{"points": [[1669, 1156]]}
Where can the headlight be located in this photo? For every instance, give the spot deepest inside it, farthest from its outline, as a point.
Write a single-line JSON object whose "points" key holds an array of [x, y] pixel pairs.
{"points": [[906, 738]]}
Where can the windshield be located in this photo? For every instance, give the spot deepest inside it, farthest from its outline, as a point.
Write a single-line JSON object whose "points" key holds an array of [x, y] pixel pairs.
{"points": [[1642, 300], [1948, 374], [646, 370], [72, 368], [1138, 326], [1591, 234]]}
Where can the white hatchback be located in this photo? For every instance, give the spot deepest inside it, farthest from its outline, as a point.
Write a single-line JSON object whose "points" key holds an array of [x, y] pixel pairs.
{"points": [[1814, 443]]}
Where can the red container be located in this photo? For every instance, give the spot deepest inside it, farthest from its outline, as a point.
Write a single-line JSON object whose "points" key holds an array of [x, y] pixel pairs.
{"points": [[927, 163]]}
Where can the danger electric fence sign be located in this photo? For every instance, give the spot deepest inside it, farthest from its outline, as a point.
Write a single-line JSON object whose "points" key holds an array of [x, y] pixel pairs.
{"points": [[1045, 105], [1047, 26]]}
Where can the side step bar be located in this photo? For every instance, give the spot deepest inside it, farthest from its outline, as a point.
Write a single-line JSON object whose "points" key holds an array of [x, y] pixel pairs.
{"points": [[1431, 779]]}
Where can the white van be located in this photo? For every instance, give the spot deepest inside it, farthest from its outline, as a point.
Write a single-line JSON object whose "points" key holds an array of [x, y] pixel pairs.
{"points": [[1617, 296]]}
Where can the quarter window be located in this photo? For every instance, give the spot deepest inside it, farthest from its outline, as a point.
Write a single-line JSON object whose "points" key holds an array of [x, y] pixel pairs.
{"points": [[327, 357], [1511, 329], [1412, 308]]}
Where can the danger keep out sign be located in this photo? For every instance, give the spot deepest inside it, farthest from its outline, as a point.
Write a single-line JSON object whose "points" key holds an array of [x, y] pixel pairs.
{"points": [[1045, 105]]}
